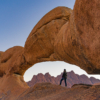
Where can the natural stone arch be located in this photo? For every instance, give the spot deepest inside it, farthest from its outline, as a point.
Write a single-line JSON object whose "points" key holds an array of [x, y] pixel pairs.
{"points": [[55, 37], [39, 45], [16, 60], [63, 35]]}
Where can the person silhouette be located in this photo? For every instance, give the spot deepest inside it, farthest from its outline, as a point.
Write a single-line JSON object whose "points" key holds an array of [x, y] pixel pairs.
{"points": [[64, 77]]}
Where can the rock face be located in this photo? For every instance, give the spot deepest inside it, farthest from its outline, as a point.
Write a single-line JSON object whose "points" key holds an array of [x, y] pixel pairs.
{"points": [[61, 35], [87, 21], [72, 79], [80, 37]]}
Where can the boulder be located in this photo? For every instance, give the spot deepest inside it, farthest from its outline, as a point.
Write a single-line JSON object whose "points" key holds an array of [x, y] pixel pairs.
{"points": [[39, 45], [86, 26]]}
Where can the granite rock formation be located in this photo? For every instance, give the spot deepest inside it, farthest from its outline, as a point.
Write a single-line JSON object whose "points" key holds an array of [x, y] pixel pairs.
{"points": [[61, 35], [72, 79], [39, 47], [47, 91]]}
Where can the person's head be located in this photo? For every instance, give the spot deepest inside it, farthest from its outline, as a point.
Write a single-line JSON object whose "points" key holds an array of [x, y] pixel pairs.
{"points": [[64, 70]]}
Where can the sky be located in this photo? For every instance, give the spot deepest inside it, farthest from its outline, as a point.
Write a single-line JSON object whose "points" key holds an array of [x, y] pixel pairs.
{"points": [[17, 19]]}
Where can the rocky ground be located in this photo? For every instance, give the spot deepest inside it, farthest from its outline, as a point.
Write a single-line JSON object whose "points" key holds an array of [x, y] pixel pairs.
{"points": [[48, 91]]}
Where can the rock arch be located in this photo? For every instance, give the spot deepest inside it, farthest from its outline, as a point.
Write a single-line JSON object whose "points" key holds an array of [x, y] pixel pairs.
{"points": [[39, 46], [63, 35]]}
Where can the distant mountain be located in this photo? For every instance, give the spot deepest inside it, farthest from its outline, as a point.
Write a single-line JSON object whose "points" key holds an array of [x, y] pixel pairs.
{"points": [[71, 79]]}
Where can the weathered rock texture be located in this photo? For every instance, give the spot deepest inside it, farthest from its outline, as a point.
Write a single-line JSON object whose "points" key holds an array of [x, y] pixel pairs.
{"points": [[39, 47], [47, 91], [62, 34], [72, 79], [78, 40]]}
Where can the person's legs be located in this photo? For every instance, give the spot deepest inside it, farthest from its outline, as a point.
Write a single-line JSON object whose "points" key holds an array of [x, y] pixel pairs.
{"points": [[61, 81], [65, 82]]}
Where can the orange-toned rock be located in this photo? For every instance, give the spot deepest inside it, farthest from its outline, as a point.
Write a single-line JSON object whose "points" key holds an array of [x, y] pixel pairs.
{"points": [[11, 61], [1, 53], [39, 45], [12, 86], [85, 23], [11, 82], [78, 41], [47, 91], [62, 34]]}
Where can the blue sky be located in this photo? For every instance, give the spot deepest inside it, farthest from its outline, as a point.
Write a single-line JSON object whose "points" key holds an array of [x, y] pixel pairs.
{"points": [[17, 19]]}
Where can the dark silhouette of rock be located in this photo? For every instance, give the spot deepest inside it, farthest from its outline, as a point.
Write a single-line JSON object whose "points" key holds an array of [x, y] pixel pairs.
{"points": [[71, 79], [93, 80]]}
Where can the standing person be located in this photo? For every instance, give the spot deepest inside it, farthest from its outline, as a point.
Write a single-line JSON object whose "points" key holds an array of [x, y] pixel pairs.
{"points": [[64, 77]]}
